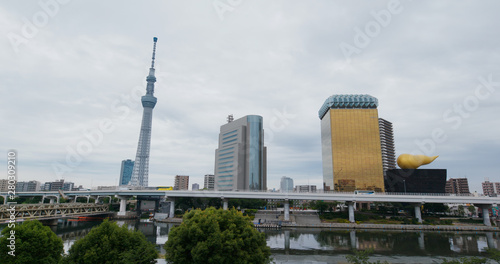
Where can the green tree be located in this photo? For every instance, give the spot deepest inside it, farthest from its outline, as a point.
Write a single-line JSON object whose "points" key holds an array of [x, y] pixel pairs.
{"points": [[493, 254], [321, 206], [108, 243], [216, 236], [34, 243], [472, 209], [461, 210]]}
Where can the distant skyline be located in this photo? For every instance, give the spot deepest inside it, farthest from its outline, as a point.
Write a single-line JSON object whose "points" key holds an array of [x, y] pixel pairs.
{"points": [[73, 73]]}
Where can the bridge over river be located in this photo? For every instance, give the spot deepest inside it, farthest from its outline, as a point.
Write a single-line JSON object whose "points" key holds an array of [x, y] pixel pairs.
{"points": [[19, 212], [350, 198]]}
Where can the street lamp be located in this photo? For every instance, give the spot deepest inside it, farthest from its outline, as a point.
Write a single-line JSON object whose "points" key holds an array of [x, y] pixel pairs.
{"points": [[404, 183]]}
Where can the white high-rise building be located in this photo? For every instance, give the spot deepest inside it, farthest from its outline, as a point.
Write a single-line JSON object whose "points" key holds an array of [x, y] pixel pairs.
{"points": [[209, 182], [240, 159]]}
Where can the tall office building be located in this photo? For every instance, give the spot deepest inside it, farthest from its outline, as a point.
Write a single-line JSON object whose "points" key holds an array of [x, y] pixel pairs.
{"points": [[351, 149], [140, 172], [387, 144], [457, 186], [209, 182], [126, 172], [195, 187], [240, 159], [181, 182], [286, 184]]}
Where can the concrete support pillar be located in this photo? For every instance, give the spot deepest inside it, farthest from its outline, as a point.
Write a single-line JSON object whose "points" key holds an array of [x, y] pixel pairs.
{"points": [[350, 205], [57, 199], [418, 214], [225, 203], [287, 210], [5, 199], [172, 209], [486, 214], [52, 200], [97, 200], [88, 198], [123, 206]]}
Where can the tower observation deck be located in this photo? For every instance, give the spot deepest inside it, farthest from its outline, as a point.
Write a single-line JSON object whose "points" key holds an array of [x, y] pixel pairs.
{"points": [[140, 172]]}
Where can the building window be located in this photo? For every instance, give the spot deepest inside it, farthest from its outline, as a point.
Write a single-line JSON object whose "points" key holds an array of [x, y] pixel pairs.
{"points": [[231, 132]]}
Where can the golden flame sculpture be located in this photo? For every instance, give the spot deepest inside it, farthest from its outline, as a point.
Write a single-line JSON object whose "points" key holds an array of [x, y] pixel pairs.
{"points": [[408, 161]]}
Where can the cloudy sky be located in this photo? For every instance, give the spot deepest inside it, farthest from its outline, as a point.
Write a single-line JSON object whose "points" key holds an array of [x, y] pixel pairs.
{"points": [[72, 73]]}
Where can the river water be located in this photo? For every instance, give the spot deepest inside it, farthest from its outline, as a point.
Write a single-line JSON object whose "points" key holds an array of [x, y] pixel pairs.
{"points": [[314, 245]]}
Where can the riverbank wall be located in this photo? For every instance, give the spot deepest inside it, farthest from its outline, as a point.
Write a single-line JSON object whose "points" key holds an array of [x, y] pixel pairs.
{"points": [[448, 228], [395, 227]]}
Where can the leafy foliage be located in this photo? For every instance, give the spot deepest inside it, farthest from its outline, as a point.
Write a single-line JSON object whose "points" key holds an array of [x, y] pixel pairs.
{"points": [[493, 254], [247, 203], [216, 236], [321, 206], [185, 203], [108, 243], [34, 243]]}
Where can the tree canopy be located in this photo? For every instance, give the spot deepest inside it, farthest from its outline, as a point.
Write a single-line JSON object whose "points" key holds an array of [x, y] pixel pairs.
{"points": [[108, 243], [216, 236], [34, 243]]}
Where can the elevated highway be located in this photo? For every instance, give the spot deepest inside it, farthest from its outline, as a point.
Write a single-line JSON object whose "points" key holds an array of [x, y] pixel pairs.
{"points": [[417, 199]]}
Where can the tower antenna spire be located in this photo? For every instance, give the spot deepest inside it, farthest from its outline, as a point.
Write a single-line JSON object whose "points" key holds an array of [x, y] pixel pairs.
{"points": [[155, 39]]}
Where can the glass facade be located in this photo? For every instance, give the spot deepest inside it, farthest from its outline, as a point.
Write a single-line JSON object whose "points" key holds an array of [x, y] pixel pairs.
{"points": [[240, 158], [255, 152], [126, 172], [352, 157]]}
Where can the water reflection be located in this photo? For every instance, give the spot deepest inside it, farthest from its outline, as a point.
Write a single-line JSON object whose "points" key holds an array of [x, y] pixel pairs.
{"points": [[306, 241], [311, 245]]}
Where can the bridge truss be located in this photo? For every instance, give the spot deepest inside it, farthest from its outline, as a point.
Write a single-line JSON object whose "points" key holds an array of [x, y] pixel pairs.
{"points": [[48, 211]]}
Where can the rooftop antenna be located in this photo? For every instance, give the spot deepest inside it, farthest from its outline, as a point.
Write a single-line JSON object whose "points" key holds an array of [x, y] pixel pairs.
{"points": [[230, 118]]}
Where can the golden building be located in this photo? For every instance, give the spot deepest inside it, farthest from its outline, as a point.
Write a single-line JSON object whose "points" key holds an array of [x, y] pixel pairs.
{"points": [[350, 138]]}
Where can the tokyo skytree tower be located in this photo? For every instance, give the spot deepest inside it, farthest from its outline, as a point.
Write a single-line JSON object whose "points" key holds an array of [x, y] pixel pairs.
{"points": [[140, 172]]}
